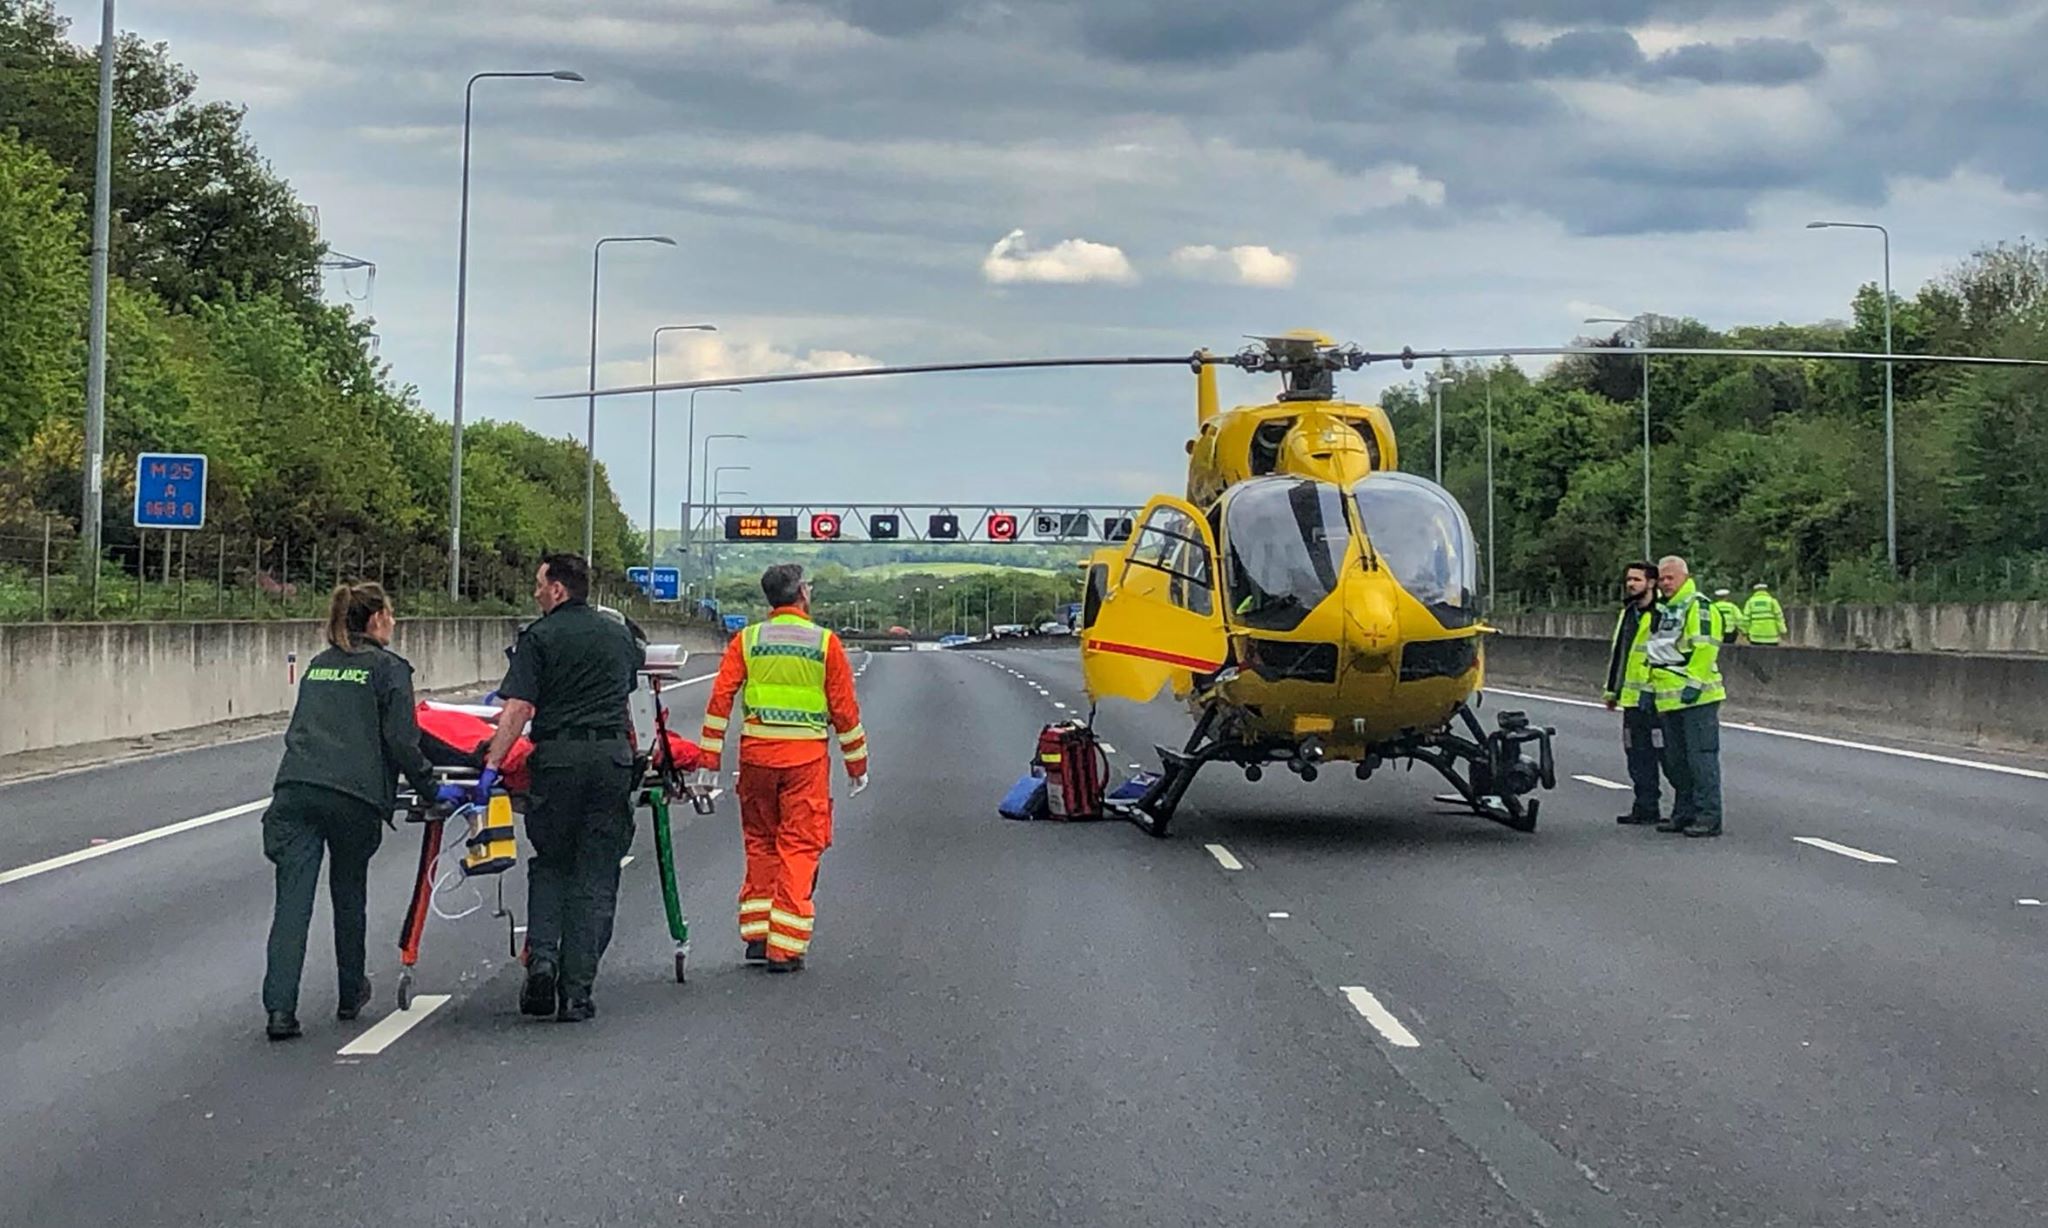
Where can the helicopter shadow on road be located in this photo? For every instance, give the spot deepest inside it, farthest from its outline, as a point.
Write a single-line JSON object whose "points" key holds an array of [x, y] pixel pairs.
{"points": [[1387, 825]]}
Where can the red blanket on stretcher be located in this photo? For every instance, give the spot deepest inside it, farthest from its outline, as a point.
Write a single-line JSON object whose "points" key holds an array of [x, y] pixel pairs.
{"points": [[451, 738]]}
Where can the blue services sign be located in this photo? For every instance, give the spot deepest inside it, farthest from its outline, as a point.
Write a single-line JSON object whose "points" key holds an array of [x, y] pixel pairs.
{"points": [[668, 582], [170, 491]]}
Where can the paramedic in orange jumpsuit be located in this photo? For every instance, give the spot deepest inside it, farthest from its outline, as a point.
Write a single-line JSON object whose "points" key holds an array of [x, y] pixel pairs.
{"points": [[798, 691]]}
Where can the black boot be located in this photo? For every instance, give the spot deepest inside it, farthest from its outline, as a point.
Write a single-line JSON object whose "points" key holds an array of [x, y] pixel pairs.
{"points": [[1678, 825], [352, 1006], [757, 951], [795, 964], [1635, 819], [283, 1025], [537, 994], [576, 1012]]}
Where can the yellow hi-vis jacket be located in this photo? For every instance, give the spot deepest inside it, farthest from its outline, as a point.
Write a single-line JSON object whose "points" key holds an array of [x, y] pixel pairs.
{"points": [[1684, 652]]}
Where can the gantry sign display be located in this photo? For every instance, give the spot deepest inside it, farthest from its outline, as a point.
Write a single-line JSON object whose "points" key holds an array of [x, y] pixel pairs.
{"points": [[968, 524]]}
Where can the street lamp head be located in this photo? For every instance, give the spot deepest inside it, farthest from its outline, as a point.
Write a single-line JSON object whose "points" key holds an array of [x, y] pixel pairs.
{"points": [[566, 75], [1818, 225]]}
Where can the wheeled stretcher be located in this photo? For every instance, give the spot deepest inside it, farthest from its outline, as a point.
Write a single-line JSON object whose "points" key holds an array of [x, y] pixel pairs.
{"points": [[454, 738]]}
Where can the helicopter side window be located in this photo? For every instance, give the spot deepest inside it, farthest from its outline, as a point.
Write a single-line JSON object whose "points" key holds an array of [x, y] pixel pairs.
{"points": [[1286, 543], [1372, 441], [1266, 442], [1171, 542], [1421, 535]]}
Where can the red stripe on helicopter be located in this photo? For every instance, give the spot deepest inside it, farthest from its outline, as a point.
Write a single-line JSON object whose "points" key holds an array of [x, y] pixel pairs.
{"points": [[1155, 654]]}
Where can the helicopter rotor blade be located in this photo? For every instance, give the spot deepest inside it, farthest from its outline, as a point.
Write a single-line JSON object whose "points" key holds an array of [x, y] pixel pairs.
{"points": [[1409, 357], [1192, 361]]}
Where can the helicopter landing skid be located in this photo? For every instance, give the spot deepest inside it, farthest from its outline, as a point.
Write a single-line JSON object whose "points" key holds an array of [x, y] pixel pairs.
{"points": [[1497, 778], [1490, 772]]}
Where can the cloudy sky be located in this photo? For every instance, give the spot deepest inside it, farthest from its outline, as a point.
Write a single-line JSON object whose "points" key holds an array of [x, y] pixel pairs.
{"points": [[922, 180]]}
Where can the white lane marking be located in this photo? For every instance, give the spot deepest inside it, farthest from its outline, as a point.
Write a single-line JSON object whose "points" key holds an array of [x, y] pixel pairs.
{"points": [[392, 1026], [128, 842], [1843, 743], [1278, 916], [625, 861], [1062, 707], [1224, 857], [2028, 903], [1380, 1017], [1601, 782], [1107, 749], [1875, 859]]}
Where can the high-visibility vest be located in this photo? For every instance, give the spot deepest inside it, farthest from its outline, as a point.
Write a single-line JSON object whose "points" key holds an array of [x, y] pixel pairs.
{"points": [[1731, 620], [1685, 652], [785, 691], [1764, 618], [1635, 667]]}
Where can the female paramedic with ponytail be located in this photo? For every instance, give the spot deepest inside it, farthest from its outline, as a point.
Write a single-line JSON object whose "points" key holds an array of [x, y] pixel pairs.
{"points": [[352, 733]]}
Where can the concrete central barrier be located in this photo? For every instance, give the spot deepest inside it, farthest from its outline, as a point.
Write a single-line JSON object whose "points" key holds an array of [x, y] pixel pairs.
{"points": [[1939, 696], [62, 684]]}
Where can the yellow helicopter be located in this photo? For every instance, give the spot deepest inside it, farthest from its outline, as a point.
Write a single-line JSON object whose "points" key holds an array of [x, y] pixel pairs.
{"points": [[1311, 602]]}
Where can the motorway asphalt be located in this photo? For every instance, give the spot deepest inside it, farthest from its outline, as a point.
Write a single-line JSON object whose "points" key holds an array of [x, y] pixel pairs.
{"points": [[1386, 1014]]}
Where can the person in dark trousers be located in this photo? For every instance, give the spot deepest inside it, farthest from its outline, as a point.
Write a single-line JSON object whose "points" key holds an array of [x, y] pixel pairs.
{"points": [[1685, 675], [1628, 689], [352, 734], [571, 672]]}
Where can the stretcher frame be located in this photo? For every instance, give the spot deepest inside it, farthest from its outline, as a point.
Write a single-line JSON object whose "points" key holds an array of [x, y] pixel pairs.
{"points": [[660, 781]]}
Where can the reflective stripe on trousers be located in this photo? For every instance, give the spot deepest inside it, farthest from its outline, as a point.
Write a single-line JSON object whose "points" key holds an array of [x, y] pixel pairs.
{"points": [[786, 825]]}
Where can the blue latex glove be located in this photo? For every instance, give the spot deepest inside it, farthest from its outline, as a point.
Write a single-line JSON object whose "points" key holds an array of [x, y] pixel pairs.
{"points": [[1690, 695], [452, 794], [484, 784]]}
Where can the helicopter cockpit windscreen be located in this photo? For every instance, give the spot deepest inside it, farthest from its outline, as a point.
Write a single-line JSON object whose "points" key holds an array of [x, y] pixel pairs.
{"points": [[1420, 533], [1286, 543]]}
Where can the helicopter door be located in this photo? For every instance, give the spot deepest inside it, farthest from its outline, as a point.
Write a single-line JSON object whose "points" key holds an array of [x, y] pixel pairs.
{"points": [[1160, 618]]}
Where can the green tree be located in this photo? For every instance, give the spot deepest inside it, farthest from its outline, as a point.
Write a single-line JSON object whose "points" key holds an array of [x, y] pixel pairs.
{"points": [[43, 289]]}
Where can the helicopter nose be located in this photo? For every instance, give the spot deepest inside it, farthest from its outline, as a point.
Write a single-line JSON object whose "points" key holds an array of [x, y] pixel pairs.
{"points": [[1370, 621]]}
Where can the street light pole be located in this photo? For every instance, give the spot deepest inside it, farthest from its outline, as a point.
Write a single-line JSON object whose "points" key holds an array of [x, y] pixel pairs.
{"points": [[1492, 593], [590, 404], [1647, 554], [461, 324], [653, 432], [690, 462], [1891, 471], [1439, 428], [708, 441], [711, 550], [90, 513]]}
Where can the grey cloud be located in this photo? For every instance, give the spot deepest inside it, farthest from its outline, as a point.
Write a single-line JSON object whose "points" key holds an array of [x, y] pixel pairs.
{"points": [[1203, 31], [1748, 61], [895, 18], [1575, 53]]}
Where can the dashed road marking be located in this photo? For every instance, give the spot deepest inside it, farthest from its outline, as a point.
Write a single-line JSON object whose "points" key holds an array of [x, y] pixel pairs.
{"points": [[1380, 1017], [1843, 743], [1873, 858], [1601, 782], [2028, 903], [1278, 916], [1107, 749], [1224, 857], [392, 1026], [128, 842], [1062, 707]]}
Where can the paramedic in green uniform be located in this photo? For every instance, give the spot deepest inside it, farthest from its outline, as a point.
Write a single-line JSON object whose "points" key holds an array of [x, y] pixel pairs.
{"points": [[571, 672], [352, 733]]}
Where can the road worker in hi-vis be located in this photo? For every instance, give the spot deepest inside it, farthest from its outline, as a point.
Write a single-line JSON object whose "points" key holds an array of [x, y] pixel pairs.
{"points": [[797, 686]]}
